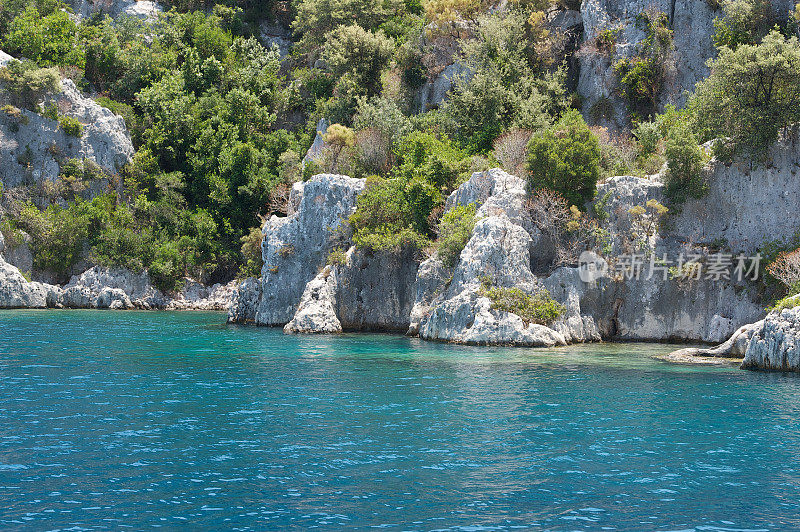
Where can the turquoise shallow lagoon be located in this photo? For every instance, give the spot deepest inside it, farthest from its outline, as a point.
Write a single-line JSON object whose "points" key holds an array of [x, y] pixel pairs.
{"points": [[176, 420]]}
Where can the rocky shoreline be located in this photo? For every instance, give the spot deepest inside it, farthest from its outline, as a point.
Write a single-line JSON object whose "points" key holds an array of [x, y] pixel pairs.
{"points": [[102, 288], [304, 292]]}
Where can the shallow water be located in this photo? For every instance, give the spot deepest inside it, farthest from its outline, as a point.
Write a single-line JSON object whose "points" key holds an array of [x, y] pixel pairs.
{"points": [[112, 419]]}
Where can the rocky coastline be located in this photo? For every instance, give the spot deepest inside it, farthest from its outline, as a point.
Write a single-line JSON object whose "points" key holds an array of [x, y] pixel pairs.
{"points": [[304, 293]]}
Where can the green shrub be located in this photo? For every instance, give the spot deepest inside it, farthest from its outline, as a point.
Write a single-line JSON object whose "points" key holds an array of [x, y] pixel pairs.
{"points": [[353, 53], [251, 252], [642, 76], [743, 22], [685, 166], [337, 257], [58, 236], [751, 94], [455, 230], [565, 158], [648, 137], [29, 83], [392, 214], [538, 308], [422, 155], [50, 40], [71, 126]]}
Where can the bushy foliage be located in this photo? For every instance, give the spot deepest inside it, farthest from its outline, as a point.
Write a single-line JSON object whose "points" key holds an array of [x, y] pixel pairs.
{"points": [[71, 126], [455, 230], [58, 236], [50, 39], [539, 308], [642, 76], [685, 163], [509, 85], [565, 158], [742, 22], [392, 214], [251, 252], [356, 58], [423, 156], [28, 83], [751, 94]]}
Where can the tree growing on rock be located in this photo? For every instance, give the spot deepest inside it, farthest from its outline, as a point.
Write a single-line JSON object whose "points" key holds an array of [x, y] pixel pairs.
{"points": [[565, 158], [751, 94]]}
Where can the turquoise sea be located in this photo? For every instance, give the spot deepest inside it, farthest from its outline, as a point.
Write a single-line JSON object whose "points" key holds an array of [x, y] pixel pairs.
{"points": [[112, 420]]}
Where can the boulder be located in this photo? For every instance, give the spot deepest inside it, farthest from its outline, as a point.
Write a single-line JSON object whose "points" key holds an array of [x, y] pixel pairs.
{"points": [[316, 312], [100, 287], [17, 292]]}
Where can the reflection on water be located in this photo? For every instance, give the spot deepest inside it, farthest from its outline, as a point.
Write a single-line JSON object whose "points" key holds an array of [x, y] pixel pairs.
{"points": [[168, 419]]}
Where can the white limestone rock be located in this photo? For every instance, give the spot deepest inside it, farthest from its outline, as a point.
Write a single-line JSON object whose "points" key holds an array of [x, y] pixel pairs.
{"points": [[499, 249], [99, 287], [775, 345], [296, 247], [143, 9], [196, 296], [17, 292], [317, 310], [29, 151]]}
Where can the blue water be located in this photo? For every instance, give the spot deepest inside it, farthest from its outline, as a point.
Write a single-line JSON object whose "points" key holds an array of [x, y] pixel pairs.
{"points": [[142, 420]]}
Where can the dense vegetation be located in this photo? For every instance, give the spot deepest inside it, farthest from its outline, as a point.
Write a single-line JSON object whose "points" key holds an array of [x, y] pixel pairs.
{"points": [[220, 121]]}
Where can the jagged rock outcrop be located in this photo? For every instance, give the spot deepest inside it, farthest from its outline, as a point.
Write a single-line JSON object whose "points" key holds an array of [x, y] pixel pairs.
{"points": [[123, 289], [111, 288], [500, 249], [775, 341], [316, 312], [296, 247], [31, 145], [692, 22]]}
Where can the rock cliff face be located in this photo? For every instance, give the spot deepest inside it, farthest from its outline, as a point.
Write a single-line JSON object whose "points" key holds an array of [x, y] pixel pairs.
{"points": [[31, 147], [296, 247], [692, 22]]}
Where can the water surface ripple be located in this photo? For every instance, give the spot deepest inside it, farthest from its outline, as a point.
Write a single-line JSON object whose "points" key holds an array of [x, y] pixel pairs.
{"points": [[141, 420]]}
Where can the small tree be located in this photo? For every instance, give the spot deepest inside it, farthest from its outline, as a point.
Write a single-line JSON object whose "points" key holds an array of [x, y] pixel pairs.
{"points": [[786, 269], [338, 138], [743, 22], [359, 55], [751, 94], [685, 160], [565, 158]]}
